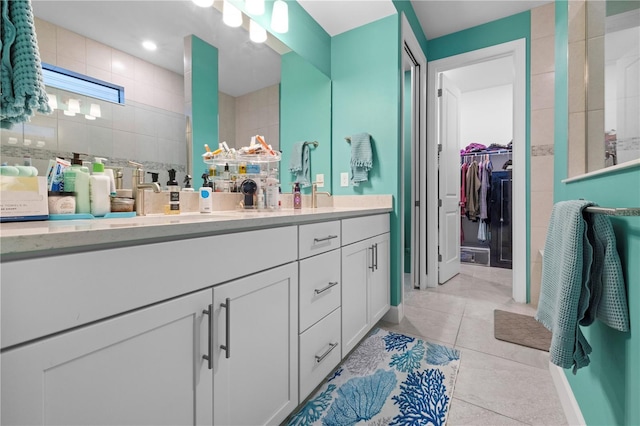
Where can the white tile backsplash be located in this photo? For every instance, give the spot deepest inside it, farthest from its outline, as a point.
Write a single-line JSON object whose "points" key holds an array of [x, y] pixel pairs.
{"points": [[123, 64], [98, 55], [71, 44]]}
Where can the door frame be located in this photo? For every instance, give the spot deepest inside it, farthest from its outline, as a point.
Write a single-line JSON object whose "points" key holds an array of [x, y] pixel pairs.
{"points": [[419, 144], [517, 51]]}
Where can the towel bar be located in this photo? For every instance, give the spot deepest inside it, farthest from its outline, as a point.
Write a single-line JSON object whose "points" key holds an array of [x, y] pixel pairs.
{"points": [[314, 143], [630, 211]]}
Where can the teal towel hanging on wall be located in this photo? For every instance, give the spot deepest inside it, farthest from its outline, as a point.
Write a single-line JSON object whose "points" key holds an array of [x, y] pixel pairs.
{"points": [[23, 90]]}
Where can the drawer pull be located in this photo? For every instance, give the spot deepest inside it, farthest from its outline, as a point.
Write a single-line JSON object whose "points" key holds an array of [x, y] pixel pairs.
{"points": [[322, 290], [332, 346], [227, 344], [373, 262], [208, 357], [319, 240]]}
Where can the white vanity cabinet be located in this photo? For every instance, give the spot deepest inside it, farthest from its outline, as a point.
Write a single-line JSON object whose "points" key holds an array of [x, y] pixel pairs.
{"points": [[140, 368], [255, 348], [365, 276]]}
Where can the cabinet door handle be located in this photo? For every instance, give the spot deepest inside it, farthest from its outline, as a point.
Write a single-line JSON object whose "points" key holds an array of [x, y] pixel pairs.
{"points": [[332, 346], [227, 344], [376, 247], [322, 290], [372, 267], [319, 240], [208, 357]]}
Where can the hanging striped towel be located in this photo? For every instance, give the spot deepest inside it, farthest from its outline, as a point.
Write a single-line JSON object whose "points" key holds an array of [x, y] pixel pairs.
{"points": [[361, 158], [22, 88], [581, 280], [299, 163]]}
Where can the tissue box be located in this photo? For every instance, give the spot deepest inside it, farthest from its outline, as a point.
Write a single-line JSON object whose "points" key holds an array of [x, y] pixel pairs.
{"points": [[23, 198]]}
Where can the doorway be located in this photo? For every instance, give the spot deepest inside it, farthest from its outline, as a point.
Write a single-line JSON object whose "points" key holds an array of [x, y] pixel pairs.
{"points": [[413, 142], [443, 185]]}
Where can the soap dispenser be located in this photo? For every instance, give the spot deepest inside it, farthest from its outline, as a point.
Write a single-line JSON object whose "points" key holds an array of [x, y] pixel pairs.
{"points": [[297, 197], [76, 179], [187, 184], [99, 189], [174, 193]]}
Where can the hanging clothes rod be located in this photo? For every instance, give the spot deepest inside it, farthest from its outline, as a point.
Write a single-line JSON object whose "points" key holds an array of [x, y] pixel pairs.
{"points": [[500, 151], [626, 211], [314, 143]]}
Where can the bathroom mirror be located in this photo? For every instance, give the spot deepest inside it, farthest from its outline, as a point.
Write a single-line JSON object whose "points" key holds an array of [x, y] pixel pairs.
{"points": [[102, 39], [604, 96]]}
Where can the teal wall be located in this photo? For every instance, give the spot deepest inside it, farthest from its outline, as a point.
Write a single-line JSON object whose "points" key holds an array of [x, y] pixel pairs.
{"points": [[503, 30], [305, 115], [608, 390], [407, 169], [404, 6], [204, 96], [305, 36], [365, 73]]}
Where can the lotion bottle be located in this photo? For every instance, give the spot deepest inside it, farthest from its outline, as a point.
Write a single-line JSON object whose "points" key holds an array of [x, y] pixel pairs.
{"points": [[100, 190], [76, 179]]}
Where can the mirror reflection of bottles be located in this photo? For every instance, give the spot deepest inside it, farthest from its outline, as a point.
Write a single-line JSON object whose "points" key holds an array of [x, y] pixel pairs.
{"points": [[297, 197]]}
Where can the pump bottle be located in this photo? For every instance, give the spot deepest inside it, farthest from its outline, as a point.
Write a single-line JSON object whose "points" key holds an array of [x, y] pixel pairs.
{"points": [[76, 179], [297, 197], [100, 189]]}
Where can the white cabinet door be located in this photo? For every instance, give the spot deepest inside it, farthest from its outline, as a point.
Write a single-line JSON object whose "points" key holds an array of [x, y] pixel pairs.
{"points": [[357, 260], [379, 289], [141, 368], [256, 320]]}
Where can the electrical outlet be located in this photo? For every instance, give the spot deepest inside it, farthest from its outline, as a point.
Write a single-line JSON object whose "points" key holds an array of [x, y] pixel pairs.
{"points": [[320, 180], [344, 179]]}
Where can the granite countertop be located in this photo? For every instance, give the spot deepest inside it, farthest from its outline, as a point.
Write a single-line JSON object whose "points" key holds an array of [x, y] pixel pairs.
{"points": [[21, 240]]}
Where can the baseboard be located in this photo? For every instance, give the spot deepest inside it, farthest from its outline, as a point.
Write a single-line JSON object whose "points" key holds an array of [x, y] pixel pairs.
{"points": [[567, 399], [394, 314]]}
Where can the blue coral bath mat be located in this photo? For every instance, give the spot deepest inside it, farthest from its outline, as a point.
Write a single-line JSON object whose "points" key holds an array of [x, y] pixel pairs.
{"points": [[389, 379]]}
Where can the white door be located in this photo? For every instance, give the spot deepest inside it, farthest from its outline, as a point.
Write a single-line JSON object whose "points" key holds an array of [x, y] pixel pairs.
{"points": [[256, 373], [357, 261], [449, 180], [142, 368]]}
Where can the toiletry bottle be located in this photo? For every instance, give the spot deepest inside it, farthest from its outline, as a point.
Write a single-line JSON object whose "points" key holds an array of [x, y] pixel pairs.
{"points": [[76, 179], [99, 190], [297, 197], [225, 174], [260, 199], [205, 200], [174, 193], [187, 184]]}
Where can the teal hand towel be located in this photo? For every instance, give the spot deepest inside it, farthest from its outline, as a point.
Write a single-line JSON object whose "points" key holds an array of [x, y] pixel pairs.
{"points": [[299, 163], [581, 269], [22, 88], [361, 158]]}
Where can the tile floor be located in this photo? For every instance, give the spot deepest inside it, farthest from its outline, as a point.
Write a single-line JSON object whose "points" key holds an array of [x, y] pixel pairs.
{"points": [[499, 383]]}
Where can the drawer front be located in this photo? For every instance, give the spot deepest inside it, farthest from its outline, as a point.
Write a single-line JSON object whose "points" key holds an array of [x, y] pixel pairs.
{"points": [[320, 352], [361, 228], [318, 238], [319, 287]]}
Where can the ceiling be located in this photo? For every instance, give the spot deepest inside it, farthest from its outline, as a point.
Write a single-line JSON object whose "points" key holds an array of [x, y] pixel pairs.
{"points": [[245, 66]]}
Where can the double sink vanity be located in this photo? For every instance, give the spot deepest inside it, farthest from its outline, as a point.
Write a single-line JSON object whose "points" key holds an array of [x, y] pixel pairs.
{"points": [[231, 318]]}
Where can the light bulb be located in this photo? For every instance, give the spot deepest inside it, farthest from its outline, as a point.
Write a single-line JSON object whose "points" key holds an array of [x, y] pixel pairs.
{"points": [[203, 3], [89, 117], [257, 34], [255, 7], [231, 15], [280, 17]]}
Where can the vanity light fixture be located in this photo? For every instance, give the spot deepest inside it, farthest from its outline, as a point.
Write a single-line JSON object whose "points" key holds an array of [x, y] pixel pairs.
{"points": [[149, 45], [203, 3], [280, 17], [231, 15], [257, 34], [73, 107], [255, 7], [53, 101], [89, 117], [94, 111]]}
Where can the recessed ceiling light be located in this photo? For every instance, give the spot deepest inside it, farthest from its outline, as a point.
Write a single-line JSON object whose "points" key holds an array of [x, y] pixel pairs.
{"points": [[149, 45]]}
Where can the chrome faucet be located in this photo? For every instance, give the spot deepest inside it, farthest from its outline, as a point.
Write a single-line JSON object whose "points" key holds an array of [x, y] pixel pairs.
{"points": [[138, 187], [314, 194]]}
